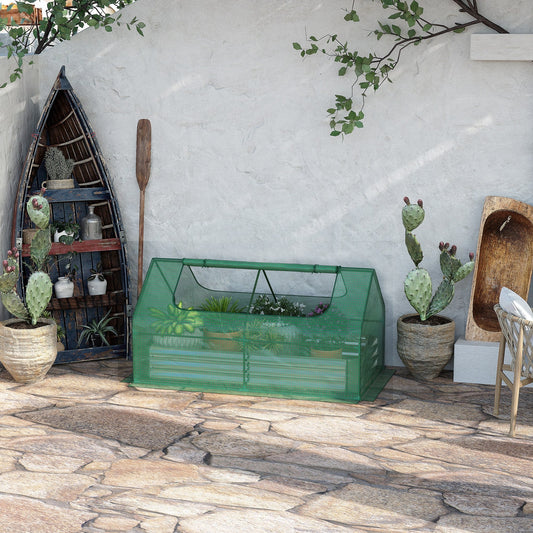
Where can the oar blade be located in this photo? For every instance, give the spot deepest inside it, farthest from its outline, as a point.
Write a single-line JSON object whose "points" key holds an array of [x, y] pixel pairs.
{"points": [[144, 152]]}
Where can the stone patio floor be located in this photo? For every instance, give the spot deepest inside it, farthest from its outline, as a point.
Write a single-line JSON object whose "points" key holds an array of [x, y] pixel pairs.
{"points": [[83, 451]]}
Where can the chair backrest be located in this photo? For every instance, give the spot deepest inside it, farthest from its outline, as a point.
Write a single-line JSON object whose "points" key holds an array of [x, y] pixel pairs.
{"points": [[512, 326]]}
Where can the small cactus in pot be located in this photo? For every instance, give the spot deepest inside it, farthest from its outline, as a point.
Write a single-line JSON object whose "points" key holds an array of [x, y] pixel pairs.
{"points": [[425, 346], [39, 288], [417, 285]]}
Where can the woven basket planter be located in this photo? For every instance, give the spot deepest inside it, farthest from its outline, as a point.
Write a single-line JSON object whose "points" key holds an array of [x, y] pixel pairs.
{"points": [[425, 349], [28, 354]]}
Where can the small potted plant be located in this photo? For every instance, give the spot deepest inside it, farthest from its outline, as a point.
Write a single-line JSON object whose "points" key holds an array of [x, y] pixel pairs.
{"points": [[95, 333], [326, 337], [28, 342], [177, 326], [59, 170], [65, 232], [280, 307], [96, 282], [64, 286], [220, 333], [426, 339]]}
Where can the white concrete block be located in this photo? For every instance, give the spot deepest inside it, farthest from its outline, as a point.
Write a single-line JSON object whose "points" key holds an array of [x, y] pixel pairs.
{"points": [[501, 47], [475, 361]]}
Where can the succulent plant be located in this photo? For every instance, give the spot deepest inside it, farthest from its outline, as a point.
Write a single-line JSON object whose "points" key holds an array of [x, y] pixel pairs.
{"points": [[39, 287], [57, 167], [417, 284], [177, 320]]}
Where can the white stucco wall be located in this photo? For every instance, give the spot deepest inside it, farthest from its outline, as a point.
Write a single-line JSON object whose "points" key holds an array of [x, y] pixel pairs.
{"points": [[243, 166], [19, 112]]}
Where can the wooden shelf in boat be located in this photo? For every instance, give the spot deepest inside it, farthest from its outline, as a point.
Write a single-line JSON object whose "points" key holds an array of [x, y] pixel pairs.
{"points": [[95, 245], [87, 301], [78, 194]]}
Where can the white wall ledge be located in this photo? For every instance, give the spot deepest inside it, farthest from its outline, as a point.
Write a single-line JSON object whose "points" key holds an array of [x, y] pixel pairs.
{"points": [[501, 47]]}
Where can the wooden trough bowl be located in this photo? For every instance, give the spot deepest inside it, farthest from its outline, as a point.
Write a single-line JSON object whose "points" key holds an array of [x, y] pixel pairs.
{"points": [[504, 258]]}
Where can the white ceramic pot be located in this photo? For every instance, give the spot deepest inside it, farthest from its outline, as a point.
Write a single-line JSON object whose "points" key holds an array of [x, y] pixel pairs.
{"points": [[96, 286], [59, 234], [64, 288]]}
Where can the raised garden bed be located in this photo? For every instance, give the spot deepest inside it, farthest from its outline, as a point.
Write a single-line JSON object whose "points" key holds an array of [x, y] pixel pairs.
{"points": [[324, 340]]}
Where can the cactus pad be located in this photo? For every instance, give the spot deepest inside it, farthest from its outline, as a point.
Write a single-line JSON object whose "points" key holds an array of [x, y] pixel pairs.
{"points": [[443, 296], [412, 216], [40, 216], [8, 281], [463, 271], [417, 287], [14, 305], [39, 248], [38, 294], [413, 247]]}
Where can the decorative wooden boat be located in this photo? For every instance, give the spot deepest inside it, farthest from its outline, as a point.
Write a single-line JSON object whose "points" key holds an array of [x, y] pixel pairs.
{"points": [[504, 258], [63, 124]]}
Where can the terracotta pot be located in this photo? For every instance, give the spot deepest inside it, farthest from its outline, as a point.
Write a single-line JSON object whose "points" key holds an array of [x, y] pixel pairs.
{"points": [[425, 349], [332, 354], [28, 235], [28, 354], [223, 341]]}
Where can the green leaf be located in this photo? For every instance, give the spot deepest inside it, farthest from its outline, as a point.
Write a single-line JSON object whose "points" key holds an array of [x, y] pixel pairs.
{"points": [[459, 30], [396, 29], [296, 46]]}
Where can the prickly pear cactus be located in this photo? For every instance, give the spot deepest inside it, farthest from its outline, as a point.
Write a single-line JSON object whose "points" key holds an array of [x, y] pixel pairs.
{"points": [[15, 305], [39, 248], [39, 288], [39, 210], [417, 285], [412, 214], [38, 294]]}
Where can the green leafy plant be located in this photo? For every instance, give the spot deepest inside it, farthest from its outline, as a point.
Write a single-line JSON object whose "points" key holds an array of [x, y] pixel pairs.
{"points": [[57, 167], [97, 330], [97, 273], [72, 230], [224, 304], [264, 305], [39, 288], [262, 336], [417, 284], [59, 23], [406, 25], [176, 320]]}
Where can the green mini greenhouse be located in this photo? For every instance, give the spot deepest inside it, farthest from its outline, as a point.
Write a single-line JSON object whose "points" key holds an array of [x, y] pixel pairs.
{"points": [[287, 330]]}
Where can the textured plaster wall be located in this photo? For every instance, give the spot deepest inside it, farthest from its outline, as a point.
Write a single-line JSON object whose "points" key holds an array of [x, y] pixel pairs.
{"points": [[19, 112], [243, 166]]}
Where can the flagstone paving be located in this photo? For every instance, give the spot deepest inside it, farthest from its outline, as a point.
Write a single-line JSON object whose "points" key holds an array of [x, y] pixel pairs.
{"points": [[84, 452]]}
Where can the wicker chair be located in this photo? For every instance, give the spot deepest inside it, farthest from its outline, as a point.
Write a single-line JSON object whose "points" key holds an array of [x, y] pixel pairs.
{"points": [[517, 333]]}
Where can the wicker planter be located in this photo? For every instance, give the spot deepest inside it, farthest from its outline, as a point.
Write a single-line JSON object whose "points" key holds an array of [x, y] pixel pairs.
{"points": [[425, 349], [335, 353], [28, 354]]}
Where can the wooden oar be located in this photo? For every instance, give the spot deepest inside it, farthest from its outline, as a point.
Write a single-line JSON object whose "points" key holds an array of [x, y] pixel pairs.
{"points": [[144, 150]]}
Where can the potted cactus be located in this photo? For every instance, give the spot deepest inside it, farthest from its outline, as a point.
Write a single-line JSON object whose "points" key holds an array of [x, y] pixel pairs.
{"points": [[59, 169], [28, 344], [426, 339]]}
